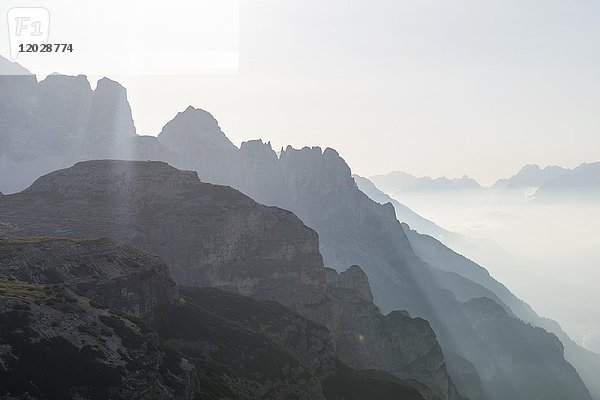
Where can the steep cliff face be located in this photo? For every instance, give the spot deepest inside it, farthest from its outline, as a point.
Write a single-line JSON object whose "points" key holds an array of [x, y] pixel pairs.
{"points": [[216, 236], [117, 276], [59, 345], [364, 338]]}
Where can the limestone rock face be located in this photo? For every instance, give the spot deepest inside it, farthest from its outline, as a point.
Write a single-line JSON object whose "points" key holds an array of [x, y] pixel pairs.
{"points": [[210, 235], [117, 276], [57, 344], [215, 236]]}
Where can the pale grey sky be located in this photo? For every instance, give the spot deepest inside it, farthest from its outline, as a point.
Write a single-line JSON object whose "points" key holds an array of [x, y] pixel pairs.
{"points": [[432, 87]]}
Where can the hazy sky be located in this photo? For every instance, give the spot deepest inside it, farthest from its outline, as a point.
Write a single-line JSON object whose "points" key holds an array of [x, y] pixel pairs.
{"points": [[430, 87]]}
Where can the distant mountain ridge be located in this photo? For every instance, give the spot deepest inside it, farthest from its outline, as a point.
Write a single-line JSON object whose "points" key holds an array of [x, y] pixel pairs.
{"points": [[530, 176], [581, 183], [549, 183], [402, 182], [554, 183]]}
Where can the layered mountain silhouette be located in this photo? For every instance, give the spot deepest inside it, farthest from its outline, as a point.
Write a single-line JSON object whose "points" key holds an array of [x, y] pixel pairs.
{"points": [[402, 182], [581, 183], [530, 176], [435, 253], [215, 236]]}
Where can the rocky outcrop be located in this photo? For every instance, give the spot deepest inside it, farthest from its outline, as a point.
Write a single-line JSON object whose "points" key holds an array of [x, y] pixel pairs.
{"points": [[353, 279], [235, 346], [215, 236], [308, 342], [117, 276], [365, 339], [59, 345]]}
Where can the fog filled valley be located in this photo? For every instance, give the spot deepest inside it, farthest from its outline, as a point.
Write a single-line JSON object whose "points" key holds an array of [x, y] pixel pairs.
{"points": [[183, 266], [545, 250]]}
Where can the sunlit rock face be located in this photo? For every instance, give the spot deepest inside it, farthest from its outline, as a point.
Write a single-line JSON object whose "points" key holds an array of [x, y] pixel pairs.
{"points": [[215, 236], [118, 276]]}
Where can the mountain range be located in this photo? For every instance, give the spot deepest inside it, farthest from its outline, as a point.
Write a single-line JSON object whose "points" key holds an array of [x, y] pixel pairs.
{"points": [[402, 182], [549, 183], [415, 319]]}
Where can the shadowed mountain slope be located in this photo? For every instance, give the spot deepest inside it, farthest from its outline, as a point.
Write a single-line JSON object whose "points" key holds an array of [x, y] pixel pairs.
{"points": [[235, 347]]}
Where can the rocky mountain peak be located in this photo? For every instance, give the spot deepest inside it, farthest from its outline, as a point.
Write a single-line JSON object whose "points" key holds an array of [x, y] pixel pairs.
{"points": [[110, 114], [194, 127]]}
